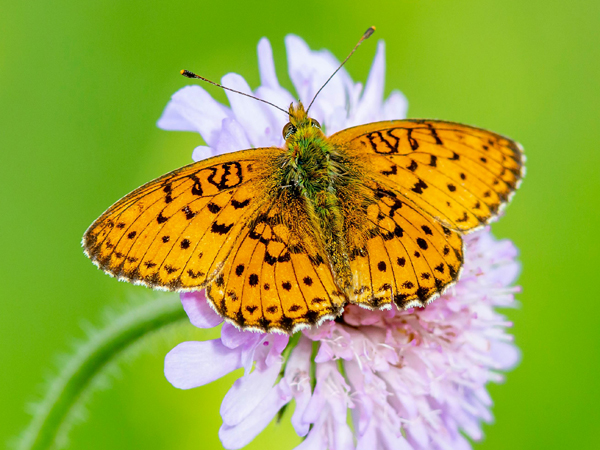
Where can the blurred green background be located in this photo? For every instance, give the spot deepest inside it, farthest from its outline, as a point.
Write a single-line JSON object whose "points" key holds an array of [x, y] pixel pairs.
{"points": [[82, 84]]}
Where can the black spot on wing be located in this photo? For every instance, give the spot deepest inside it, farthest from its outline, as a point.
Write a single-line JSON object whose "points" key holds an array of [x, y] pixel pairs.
{"points": [[220, 228], [392, 171], [194, 275], [423, 293], [189, 214], [213, 208], [269, 259], [285, 257], [238, 205], [414, 144], [197, 188], [170, 269], [419, 186], [253, 280]]}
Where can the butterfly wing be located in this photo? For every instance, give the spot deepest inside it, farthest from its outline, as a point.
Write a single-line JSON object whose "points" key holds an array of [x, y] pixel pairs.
{"points": [[277, 278], [401, 254], [173, 233], [428, 182], [461, 175]]}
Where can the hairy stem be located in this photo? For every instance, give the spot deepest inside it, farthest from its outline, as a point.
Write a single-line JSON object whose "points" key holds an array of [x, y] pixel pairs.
{"points": [[102, 348]]}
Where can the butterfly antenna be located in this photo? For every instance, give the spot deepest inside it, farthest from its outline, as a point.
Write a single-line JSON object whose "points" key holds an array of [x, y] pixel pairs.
{"points": [[188, 74], [365, 36]]}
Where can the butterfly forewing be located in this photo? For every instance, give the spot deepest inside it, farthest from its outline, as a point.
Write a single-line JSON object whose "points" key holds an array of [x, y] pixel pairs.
{"points": [[175, 232], [458, 174]]}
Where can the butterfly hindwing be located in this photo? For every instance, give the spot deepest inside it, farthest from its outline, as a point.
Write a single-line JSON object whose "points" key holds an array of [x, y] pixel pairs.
{"points": [[460, 175], [277, 278], [174, 232], [406, 256]]}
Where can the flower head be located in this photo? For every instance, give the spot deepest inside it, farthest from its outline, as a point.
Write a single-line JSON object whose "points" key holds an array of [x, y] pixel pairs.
{"points": [[410, 379]]}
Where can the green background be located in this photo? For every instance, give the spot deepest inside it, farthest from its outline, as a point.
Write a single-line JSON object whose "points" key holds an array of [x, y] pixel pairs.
{"points": [[82, 84]]}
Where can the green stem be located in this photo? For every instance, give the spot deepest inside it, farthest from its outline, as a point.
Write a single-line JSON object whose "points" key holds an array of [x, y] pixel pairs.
{"points": [[89, 361]]}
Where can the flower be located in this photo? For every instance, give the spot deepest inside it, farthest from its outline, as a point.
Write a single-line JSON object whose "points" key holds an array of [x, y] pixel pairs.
{"points": [[410, 379]]}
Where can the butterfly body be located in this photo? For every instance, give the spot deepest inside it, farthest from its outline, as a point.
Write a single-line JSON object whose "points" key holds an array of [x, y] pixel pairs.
{"points": [[318, 171], [283, 238]]}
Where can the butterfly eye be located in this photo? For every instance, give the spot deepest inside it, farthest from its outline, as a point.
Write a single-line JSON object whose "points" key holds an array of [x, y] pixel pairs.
{"points": [[288, 130], [315, 123]]}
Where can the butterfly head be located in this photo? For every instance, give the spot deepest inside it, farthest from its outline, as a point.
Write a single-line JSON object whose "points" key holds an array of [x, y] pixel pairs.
{"points": [[300, 124]]}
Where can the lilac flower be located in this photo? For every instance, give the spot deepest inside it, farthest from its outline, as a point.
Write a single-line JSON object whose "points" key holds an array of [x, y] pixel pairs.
{"points": [[410, 379]]}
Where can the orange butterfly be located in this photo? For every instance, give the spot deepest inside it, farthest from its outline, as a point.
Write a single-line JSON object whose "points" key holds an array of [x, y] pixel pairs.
{"points": [[283, 238]]}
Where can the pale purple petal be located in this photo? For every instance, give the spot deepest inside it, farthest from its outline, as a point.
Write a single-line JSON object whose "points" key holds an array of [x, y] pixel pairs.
{"points": [[342, 436], [240, 435], [417, 432], [395, 107], [232, 139], [202, 152], [297, 375], [281, 98], [193, 109], [266, 65], [368, 440], [369, 105], [505, 355], [250, 114], [250, 356], [246, 394], [335, 121], [316, 439], [233, 337], [199, 311], [325, 353], [309, 70], [276, 344], [271, 91], [392, 441], [193, 364]]}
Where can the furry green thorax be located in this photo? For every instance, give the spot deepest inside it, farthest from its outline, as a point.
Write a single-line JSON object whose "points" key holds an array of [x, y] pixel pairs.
{"points": [[308, 161]]}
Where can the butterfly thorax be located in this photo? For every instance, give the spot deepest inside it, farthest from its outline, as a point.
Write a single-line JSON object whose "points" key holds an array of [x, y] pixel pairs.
{"points": [[315, 169]]}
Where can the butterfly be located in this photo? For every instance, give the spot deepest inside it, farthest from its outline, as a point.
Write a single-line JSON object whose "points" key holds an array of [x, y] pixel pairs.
{"points": [[283, 238]]}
